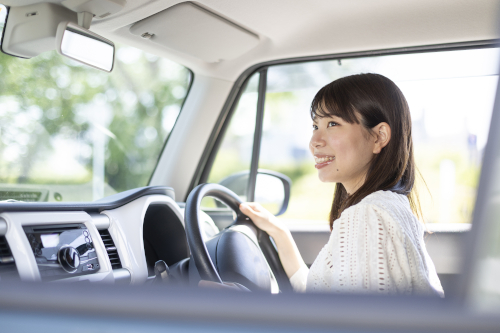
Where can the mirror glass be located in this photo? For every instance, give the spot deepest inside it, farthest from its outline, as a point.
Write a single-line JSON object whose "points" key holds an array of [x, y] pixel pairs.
{"points": [[269, 192], [237, 182], [86, 47]]}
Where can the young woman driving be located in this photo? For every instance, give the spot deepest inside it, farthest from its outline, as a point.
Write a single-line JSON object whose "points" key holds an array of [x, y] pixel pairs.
{"points": [[361, 141]]}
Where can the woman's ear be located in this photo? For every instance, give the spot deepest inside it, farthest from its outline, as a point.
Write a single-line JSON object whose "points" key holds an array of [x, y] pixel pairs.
{"points": [[382, 137]]}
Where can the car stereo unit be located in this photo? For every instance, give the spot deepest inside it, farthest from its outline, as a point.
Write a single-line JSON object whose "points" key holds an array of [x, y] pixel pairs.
{"points": [[62, 251]]}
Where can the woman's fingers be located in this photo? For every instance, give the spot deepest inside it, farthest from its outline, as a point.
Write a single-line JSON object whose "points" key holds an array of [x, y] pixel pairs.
{"points": [[253, 208], [245, 207], [259, 215], [248, 210]]}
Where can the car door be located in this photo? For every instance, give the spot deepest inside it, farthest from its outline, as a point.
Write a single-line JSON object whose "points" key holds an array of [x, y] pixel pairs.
{"points": [[450, 93]]}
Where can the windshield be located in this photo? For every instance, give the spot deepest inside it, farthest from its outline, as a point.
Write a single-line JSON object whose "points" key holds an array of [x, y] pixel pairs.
{"points": [[69, 132]]}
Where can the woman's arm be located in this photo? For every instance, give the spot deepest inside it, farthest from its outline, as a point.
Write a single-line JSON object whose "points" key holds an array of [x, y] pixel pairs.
{"points": [[287, 249]]}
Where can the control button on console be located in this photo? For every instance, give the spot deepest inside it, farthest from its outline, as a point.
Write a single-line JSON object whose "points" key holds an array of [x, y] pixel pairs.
{"points": [[69, 258]]}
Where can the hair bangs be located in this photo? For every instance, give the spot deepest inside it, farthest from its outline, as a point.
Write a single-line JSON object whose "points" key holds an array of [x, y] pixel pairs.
{"points": [[333, 100]]}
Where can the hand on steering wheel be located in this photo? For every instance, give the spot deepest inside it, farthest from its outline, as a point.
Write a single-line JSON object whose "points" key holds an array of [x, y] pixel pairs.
{"points": [[241, 252], [261, 217]]}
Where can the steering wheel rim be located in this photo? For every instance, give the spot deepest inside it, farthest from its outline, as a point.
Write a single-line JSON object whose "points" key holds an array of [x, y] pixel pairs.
{"points": [[199, 251], [197, 246]]}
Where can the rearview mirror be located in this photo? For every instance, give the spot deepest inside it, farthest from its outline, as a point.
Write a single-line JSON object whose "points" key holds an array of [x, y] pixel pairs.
{"points": [[84, 46]]}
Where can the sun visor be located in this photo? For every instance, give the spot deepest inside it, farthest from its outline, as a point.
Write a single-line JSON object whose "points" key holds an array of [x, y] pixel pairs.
{"points": [[31, 30], [195, 31]]}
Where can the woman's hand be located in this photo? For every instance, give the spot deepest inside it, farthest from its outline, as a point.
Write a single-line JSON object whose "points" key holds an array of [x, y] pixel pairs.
{"points": [[262, 218], [287, 249]]}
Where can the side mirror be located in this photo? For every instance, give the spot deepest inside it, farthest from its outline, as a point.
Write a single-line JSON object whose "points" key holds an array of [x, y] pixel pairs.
{"points": [[84, 46], [272, 189]]}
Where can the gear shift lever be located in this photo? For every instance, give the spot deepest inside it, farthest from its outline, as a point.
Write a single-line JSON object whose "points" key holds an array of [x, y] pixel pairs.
{"points": [[161, 272]]}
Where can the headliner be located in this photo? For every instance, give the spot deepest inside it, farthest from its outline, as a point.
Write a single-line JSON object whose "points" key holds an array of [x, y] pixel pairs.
{"points": [[295, 28]]}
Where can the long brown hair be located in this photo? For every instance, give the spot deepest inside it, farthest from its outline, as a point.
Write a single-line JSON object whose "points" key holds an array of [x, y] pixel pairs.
{"points": [[369, 99]]}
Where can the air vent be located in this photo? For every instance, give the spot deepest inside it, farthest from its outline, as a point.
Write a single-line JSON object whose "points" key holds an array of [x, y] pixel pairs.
{"points": [[111, 249], [7, 265]]}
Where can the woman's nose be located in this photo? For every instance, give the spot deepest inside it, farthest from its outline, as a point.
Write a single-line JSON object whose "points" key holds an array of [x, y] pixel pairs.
{"points": [[316, 141]]}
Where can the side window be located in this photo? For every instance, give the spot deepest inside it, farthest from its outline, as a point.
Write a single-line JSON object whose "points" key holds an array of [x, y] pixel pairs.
{"points": [[235, 153], [451, 96]]}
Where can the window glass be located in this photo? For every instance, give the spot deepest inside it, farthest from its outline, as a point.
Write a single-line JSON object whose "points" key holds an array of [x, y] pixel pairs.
{"points": [[451, 96], [235, 153], [69, 132]]}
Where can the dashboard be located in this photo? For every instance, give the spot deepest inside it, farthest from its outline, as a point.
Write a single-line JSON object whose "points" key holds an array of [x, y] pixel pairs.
{"points": [[115, 240]]}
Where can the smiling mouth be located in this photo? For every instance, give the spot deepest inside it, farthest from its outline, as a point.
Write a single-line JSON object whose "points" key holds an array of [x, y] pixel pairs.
{"points": [[323, 161]]}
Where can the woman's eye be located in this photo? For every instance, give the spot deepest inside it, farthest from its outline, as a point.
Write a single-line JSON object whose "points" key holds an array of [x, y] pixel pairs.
{"points": [[332, 123], [315, 127]]}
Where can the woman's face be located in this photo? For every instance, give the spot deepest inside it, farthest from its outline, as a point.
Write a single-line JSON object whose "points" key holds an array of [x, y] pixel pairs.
{"points": [[342, 151]]}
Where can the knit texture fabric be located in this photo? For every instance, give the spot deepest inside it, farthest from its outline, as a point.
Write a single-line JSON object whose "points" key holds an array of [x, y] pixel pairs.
{"points": [[376, 246]]}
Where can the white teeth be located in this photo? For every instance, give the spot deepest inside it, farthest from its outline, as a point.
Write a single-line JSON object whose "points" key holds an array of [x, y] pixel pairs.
{"points": [[324, 159]]}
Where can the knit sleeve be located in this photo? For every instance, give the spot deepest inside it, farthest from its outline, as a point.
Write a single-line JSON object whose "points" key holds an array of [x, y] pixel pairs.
{"points": [[365, 253], [299, 279]]}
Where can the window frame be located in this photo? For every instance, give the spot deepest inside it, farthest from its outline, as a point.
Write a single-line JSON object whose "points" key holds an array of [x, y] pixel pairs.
{"points": [[214, 142], [160, 154]]}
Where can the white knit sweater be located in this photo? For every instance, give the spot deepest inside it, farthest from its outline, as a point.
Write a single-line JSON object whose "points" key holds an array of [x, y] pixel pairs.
{"points": [[376, 246]]}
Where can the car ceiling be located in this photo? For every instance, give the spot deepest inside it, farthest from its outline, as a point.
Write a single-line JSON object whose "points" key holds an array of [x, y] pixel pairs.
{"points": [[298, 28]]}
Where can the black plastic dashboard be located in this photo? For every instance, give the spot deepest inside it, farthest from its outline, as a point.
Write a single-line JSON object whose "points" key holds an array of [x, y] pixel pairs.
{"points": [[110, 202]]}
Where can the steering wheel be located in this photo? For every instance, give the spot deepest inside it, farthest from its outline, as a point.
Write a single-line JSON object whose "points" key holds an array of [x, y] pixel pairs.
{"points": [[240, 253]]}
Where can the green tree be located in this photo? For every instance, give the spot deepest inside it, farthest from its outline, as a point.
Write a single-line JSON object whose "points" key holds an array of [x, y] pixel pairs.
{"points": [[50, 100]]}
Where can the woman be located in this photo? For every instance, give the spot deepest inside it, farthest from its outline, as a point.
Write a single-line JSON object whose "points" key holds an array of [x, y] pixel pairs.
{"points": [[361, 141]]}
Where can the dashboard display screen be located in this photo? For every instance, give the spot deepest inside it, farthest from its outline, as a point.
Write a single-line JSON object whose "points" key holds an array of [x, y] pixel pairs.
{"points": [[50, 240]]}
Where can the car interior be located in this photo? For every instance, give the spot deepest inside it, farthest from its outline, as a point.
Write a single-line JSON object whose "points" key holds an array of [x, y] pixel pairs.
{"points": [[131, 130]]}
